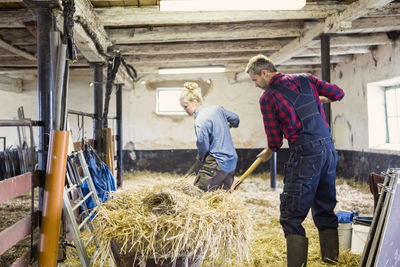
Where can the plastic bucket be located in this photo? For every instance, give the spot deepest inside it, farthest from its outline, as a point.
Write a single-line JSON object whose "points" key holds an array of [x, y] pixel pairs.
{"points": [[359, 238], [345, 233]]}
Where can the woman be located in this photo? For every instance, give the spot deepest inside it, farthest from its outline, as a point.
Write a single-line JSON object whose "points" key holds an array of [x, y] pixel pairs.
{"points": [[214, 142]]}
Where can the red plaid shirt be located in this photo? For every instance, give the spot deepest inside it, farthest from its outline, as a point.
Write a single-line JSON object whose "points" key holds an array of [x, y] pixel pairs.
{"points": [[280, 118]]}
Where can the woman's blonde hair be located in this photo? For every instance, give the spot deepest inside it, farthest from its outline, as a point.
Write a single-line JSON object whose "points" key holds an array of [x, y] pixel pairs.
{"points": [[190, 93]]}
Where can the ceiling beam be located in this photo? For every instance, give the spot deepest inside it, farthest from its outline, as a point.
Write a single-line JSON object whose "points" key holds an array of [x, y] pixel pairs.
{"points": [[202, 47], [89, 43], [372, 25], [10, 84], [331, 23], [91, 38], [247, 45], [219, 58], [134, 16], [151, 15], [16, 51], [206, 32], [335, 51], [15, 18], [230, 67]]}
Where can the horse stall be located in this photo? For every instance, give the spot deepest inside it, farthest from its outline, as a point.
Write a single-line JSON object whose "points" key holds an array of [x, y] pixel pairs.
{"points": [[100, 150]]}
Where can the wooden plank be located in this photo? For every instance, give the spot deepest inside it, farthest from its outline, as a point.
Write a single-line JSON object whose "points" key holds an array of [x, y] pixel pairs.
{"points": [[134, 16], [15, 186], [217, 57], [16, 232], [16, 51], [372, 25], [87, 19], [25, 259], [15, 18], [335, 51], [331, 23], [344, 41], [206, 32], [202, 47]]}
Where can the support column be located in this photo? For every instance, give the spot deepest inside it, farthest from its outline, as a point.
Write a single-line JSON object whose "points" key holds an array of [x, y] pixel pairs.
{"points": [[119, 135], [98, 102], [326, 71], [45, 92]]}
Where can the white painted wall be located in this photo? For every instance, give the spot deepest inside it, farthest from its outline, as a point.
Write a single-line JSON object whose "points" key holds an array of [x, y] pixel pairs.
{"points": [[147, 130], [350, 116]]}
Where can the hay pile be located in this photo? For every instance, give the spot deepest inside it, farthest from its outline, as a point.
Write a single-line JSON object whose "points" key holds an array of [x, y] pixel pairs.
{"points": [[175, 219]]}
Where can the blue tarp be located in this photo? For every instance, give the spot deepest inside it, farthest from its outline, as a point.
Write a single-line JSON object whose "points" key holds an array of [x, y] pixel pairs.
{"points": [[103, 180]]}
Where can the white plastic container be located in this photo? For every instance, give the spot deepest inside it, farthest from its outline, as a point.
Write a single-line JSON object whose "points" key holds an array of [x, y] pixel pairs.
{"points": [[359, 238], [345, 232]]}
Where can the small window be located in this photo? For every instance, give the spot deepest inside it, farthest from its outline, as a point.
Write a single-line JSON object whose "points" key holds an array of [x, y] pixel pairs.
{"points": [[392, 107], [167, 102]]}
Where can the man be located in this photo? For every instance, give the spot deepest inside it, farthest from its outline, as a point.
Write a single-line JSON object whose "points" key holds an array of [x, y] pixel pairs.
{"points": [[214, 141], [291, 107]]}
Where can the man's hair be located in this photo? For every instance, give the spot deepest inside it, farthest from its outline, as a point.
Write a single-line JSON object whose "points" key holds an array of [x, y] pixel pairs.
{"points": [[258, 63]]}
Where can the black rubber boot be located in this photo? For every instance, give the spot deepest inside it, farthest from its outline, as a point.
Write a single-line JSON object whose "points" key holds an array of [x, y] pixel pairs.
{"points": [[329, 243], [296, 249]]}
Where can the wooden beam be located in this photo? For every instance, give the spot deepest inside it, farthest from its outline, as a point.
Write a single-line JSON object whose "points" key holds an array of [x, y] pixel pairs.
{"points": [[247, 45], [199, 57], [315, 60], [202, 47], [15, 18], [10, 84], [16, 51], [356, 40], [331, 23], [134, 16], [144, 69], [335, 51], [151, 15], [219, 58], [16, 186], [10, 236], [87, 20], [90, 37], [206, 32], [372, 25]]}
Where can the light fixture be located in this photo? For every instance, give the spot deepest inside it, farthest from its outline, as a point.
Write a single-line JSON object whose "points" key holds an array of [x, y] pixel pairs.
{"points": [[209, 69], [230, 5]]}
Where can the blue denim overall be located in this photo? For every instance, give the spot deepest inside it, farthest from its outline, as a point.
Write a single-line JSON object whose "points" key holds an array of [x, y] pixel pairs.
{"points": [[310, 171]]}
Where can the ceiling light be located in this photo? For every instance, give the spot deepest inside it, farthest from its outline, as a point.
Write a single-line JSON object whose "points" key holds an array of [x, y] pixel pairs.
{"points": [[230, 5], [210, 69]]}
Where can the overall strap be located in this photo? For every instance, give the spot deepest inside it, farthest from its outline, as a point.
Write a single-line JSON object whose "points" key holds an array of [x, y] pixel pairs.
{"points": [[287, 93], [304, 102]]}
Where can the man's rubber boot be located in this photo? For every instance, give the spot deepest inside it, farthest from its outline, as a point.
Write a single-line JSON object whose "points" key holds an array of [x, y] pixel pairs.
{"points": [[329, 243], [296, 250]]}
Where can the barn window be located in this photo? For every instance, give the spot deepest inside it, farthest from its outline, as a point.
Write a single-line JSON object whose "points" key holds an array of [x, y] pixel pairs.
{"points": [[392, 108], [384, 114], [167, 102]]}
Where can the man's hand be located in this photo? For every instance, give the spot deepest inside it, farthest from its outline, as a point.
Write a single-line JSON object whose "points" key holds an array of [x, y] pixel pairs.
{"points": [[324, 99], [265, 155]]}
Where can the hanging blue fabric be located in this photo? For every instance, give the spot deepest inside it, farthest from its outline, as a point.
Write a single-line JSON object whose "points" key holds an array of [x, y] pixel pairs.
{"points": [[102, 177]]}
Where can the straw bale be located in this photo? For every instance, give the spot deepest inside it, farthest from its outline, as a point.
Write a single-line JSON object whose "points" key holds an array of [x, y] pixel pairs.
{"points": [[175, 219]]}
